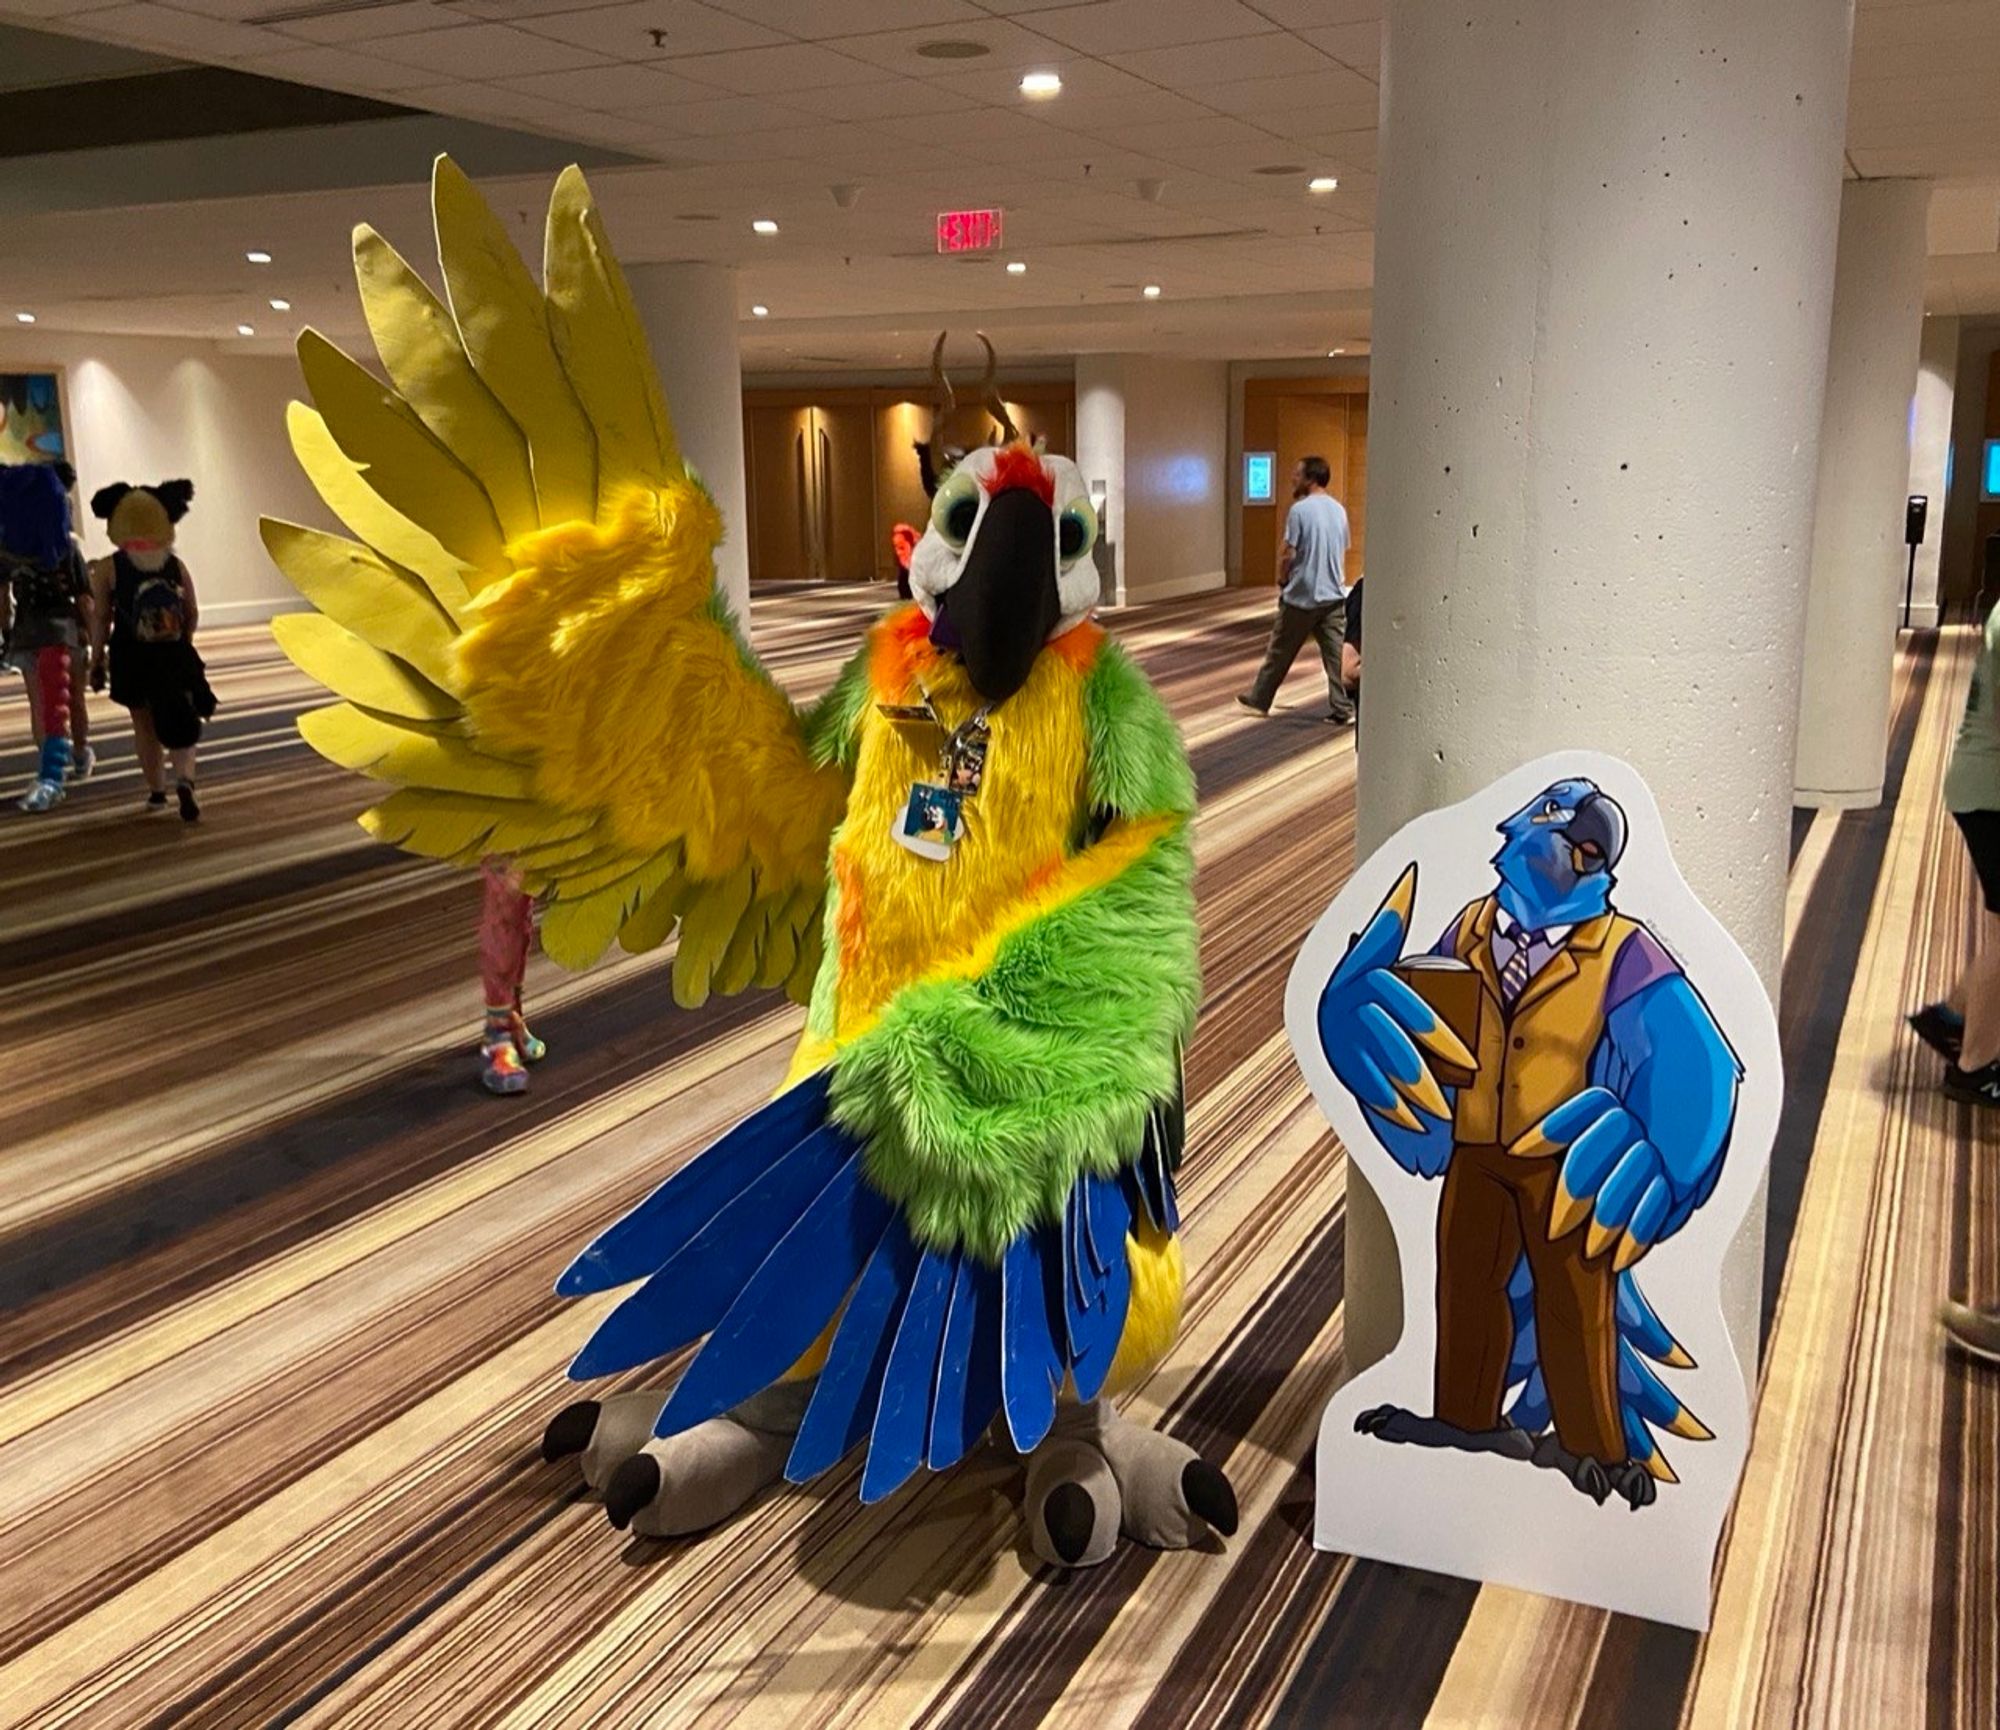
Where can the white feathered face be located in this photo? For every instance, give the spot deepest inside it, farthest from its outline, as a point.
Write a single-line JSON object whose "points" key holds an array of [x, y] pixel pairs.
{"points": [[1004, 564]]}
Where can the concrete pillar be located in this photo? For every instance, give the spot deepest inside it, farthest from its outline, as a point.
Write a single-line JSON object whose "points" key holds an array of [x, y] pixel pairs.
{"points": [[1930, 459], [689, 311], [1603, 268], [1854, 602]]}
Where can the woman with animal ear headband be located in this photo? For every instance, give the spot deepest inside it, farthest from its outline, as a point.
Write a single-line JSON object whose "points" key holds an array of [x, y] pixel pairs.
{"points": [[145, 605]]}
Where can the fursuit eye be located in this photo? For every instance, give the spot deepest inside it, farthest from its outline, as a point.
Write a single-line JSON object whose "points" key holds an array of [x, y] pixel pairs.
{"points": [[1550, 808], [956, 509], [1076, 530]]}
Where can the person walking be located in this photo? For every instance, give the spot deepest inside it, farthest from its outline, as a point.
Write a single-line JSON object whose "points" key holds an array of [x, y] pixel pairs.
{"points": [[1964, 1026], [142, 625], [1312, 592]]}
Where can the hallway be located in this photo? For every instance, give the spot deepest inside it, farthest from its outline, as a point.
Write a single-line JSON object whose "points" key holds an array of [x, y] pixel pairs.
{"points": [[279, 1337]]}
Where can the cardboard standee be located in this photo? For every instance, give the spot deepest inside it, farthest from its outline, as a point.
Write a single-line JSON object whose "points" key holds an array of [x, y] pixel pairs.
{"points": [[1621, 1100]]}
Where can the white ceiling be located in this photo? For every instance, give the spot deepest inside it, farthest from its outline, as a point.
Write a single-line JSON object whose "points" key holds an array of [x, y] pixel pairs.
{"points": [[748, 108]]}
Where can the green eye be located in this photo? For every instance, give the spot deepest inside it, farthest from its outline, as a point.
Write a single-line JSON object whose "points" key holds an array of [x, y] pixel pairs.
{"points": [[956, 508], [1076, 532]]}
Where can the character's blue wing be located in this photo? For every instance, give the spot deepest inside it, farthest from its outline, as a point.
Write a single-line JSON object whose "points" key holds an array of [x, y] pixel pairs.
{"points": [[773, 1234], [1646, 1403]]}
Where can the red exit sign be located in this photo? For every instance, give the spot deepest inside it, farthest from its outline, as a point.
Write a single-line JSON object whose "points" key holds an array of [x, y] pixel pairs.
{"points": [[968, 230]]}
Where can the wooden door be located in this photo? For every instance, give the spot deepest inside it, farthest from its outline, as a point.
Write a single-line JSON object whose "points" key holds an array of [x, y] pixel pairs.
{"points": [[1310, 426], [843, 469], [780, 461]]}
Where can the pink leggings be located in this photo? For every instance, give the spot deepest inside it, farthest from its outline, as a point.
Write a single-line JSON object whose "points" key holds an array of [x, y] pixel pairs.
{"points": [[506, 927], [52, 676]]}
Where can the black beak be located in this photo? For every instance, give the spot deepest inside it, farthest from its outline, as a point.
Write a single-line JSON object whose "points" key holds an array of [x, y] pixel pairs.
{"points": [[1596, 834], [1005, 603]]}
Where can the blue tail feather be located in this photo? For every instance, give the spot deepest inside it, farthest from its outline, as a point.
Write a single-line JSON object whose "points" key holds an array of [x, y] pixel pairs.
{"points": [[655, 1231], [849, 1389], [902, 1420], [968, 1383], [1530, 1410], [693, 1291], [787, 1302], [1035, 1331], [1103, 1324], [1638, 1323]]}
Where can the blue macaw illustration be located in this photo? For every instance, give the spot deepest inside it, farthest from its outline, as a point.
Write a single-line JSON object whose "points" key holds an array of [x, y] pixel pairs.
{"points": [[1589, 1125]]}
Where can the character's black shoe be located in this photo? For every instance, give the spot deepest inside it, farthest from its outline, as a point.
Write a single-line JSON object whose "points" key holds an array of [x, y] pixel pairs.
{"points": [[1940, 1029], [1253, 706], [190, 811], [1973, 1086]]}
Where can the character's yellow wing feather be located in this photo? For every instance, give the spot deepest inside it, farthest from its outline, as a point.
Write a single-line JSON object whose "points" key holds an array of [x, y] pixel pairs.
{"points": [[350, 667], [421, 353], [503, 323], [370, 519], [413, 473], [603, 346], [571, 696]]}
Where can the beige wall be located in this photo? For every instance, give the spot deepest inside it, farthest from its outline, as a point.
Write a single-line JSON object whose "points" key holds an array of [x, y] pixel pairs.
{"points": [[144, 409], [1156, 431]]}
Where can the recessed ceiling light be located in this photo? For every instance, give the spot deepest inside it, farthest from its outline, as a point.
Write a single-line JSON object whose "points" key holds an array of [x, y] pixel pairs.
{"points": [[258, 257], [760, 312], [763, 225], [245, 330], [24, 318], [1015, 267], [1151, 291], [281, 306], [1041, 84], [1330, 353], [953, 48], [1323, 183]]}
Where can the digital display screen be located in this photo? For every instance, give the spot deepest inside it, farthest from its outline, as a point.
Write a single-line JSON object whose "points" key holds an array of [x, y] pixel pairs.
{"points": [[1989, 483], [968, 230], [1260, 477]]}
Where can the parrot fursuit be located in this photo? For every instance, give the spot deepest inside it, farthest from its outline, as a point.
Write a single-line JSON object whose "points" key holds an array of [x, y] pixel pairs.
{"points": [[970, 860]]}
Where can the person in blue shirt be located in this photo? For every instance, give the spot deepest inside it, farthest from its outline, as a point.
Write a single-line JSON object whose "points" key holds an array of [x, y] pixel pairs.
{"points": [[1312, 592]]}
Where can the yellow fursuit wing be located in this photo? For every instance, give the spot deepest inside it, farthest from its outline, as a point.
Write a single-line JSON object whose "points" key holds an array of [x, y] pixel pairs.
{"points": [[522, 631]]}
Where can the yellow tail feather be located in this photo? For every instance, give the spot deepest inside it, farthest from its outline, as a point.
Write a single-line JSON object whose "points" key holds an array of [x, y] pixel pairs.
{"points": [[384, 606], [396, 751]]}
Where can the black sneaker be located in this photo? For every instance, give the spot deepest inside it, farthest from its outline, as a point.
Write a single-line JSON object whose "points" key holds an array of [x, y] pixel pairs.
{"points": [[1973, 1086], [156, 799], [190, 811], [1252, 706], [1938, 1028]]}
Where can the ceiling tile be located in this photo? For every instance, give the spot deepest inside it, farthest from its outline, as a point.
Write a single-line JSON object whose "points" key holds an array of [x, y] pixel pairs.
{"points": [[626, 31], [1006, 44], [1327, 98], [366, 26], [812, 20], [730, 116], [1117, 26], [1210, 132], [765, 71], [338, 69], [484, 51], [1112, 118], [1198, 65], [1313, 14], [992, 132], [1355, 45], [1085, 82], [611, 89], [871, 101], [212, 39]]}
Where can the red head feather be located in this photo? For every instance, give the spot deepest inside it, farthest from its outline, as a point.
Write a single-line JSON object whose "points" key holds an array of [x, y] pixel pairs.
{"points": [[1018, 466]]}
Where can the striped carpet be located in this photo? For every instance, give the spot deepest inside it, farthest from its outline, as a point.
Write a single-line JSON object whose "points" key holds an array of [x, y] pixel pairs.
{"points": [[278, 1336]]}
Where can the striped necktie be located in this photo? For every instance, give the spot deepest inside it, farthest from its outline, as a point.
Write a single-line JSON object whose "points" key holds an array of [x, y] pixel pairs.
{"points": [[1514, 976]]}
